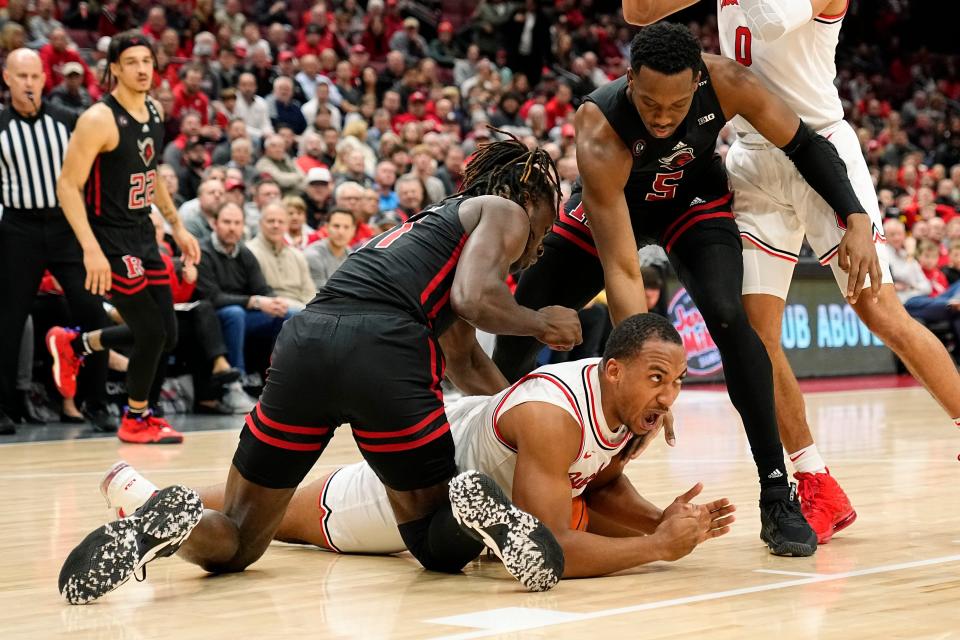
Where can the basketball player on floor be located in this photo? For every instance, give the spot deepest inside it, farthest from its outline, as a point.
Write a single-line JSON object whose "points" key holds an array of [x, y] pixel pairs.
{"points": [[551, 441], [790, 46], [370, 350], [109, 209], [646, 150]]}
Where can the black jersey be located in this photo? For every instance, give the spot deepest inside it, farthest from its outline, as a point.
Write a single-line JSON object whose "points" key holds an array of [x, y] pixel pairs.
{"points": [[121, 185], [667, 173], [410, 267]]}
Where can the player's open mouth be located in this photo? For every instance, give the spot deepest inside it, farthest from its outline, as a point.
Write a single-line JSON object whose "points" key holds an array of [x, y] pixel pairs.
{"points": [[651, 420]]}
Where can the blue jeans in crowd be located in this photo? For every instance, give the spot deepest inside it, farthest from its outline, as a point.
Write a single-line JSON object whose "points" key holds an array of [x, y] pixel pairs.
{"points": [[238, 324], [931, 310]]}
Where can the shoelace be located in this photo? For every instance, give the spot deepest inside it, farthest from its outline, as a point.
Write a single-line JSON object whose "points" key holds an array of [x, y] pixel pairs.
{"points": [[787, 510], [808, 493]]}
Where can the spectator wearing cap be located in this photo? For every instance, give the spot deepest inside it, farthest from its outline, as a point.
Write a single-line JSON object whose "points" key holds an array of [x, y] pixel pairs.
{"points": [[195, 160], [55, 54], [417, 112], [198, 215], [317, 195], [71, 94], [278, 165], [235, 191], [298, 231], [443, 49], [409, 42], [424, 169], [251, 108], [359, 58], [326, 255], [451, 173], [284, 268], [283, 108], [384, 179]]}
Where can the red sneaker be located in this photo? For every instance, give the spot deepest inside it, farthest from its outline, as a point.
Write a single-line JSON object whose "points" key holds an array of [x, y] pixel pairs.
{"points": [[66, 362], [147, 429], [824, 504]]}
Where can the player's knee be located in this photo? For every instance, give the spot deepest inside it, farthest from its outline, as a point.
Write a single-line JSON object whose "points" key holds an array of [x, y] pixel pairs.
{"points": [[723, 315]]}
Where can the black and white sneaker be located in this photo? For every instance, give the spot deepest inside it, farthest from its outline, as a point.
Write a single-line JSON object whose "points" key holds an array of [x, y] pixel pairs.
{"points": [[527, 548], [782, 525], [112, 553]]}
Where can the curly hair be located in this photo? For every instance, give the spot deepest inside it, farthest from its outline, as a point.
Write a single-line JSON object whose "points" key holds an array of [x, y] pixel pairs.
{"points": [[509, 169], [665, 47]]}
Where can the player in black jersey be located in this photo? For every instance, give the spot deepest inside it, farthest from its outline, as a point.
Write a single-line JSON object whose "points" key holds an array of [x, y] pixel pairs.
{"points": [[371, 350], [107, 187], [650, 174]]}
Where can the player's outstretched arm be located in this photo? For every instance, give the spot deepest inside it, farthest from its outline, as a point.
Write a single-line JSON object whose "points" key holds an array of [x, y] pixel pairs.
{"points": [[95, 132], [548, 440], [468, 365], [770, 20], [480, 294], [644, 12], [741, 93], [605, 165]]}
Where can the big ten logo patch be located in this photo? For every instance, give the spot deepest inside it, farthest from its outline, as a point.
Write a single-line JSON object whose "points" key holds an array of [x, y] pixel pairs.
{"points": [[703, 357]]}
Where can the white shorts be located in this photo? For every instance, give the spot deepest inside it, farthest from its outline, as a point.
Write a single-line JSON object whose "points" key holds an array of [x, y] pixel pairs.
{"points": [[355, 513], [775, 207]]}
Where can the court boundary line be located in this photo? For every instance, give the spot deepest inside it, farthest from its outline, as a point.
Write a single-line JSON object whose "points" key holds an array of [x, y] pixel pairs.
{"points": [[703, 597]]}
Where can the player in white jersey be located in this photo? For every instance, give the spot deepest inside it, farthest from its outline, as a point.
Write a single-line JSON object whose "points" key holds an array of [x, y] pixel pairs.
{"points": [[790, 45], [549, 441]]}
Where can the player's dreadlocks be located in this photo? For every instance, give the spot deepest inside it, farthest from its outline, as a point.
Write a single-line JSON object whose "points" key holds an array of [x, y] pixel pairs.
{"points": [[509, 169]]}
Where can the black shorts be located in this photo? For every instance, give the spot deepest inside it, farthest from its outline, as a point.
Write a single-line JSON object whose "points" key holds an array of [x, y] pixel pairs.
{"points": [[371, 366], [134, 257], [666, 226]]}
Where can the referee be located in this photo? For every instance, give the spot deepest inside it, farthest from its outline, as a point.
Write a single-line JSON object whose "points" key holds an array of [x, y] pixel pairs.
{"points": [[34, 234]]}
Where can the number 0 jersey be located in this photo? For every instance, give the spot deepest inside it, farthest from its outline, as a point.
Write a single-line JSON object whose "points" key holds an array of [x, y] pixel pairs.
{"points": [[121, 185], [668, 173]]}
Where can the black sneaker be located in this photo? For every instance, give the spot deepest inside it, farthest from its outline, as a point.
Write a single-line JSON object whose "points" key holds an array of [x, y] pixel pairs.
{"points": [[112, 553], [102, 420], [528, 549], [7, 426], [782, 525]]}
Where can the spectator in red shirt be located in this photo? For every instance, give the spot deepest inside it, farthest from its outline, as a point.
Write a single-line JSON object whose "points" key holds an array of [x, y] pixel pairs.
{"points": [[417, 105], [315, 40], [55, 54], [928, 255], [559, 107], [156, 23], [187, 96]]}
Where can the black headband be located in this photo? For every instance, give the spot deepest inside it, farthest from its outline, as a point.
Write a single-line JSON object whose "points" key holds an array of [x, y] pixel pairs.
{"points": [[126, 42]]}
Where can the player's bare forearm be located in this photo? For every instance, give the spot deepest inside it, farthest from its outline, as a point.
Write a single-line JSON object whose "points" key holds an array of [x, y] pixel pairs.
{"points": [[165, 204], [71, 201], [468, 366], [644, 12], [625, 296], [620, 502]]}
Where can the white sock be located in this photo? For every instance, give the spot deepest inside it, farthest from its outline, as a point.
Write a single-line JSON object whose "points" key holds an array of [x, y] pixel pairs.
{"points": [[129, 490], [808, 460]]}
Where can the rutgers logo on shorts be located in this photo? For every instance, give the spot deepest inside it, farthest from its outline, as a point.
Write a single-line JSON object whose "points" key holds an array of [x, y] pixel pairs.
{"points": [[134, 266]]}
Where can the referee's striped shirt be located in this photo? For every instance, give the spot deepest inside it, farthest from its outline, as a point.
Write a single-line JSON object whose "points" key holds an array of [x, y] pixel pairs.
{"points": [[31, 156]]}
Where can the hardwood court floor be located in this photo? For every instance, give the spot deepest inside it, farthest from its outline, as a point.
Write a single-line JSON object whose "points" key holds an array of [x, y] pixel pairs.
{"points": [[894, 574]]}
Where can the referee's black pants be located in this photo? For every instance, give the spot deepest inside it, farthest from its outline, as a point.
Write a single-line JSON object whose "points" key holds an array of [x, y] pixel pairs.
{"points": [[31, 241]]}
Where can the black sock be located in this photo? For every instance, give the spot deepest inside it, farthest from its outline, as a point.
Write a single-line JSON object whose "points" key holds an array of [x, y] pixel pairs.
{"points": [[439, 543], [137, 412], [81, 345]]}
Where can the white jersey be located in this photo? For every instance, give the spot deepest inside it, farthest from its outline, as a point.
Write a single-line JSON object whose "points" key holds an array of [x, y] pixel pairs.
{"points": [[355, 512], [798, 67]]}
